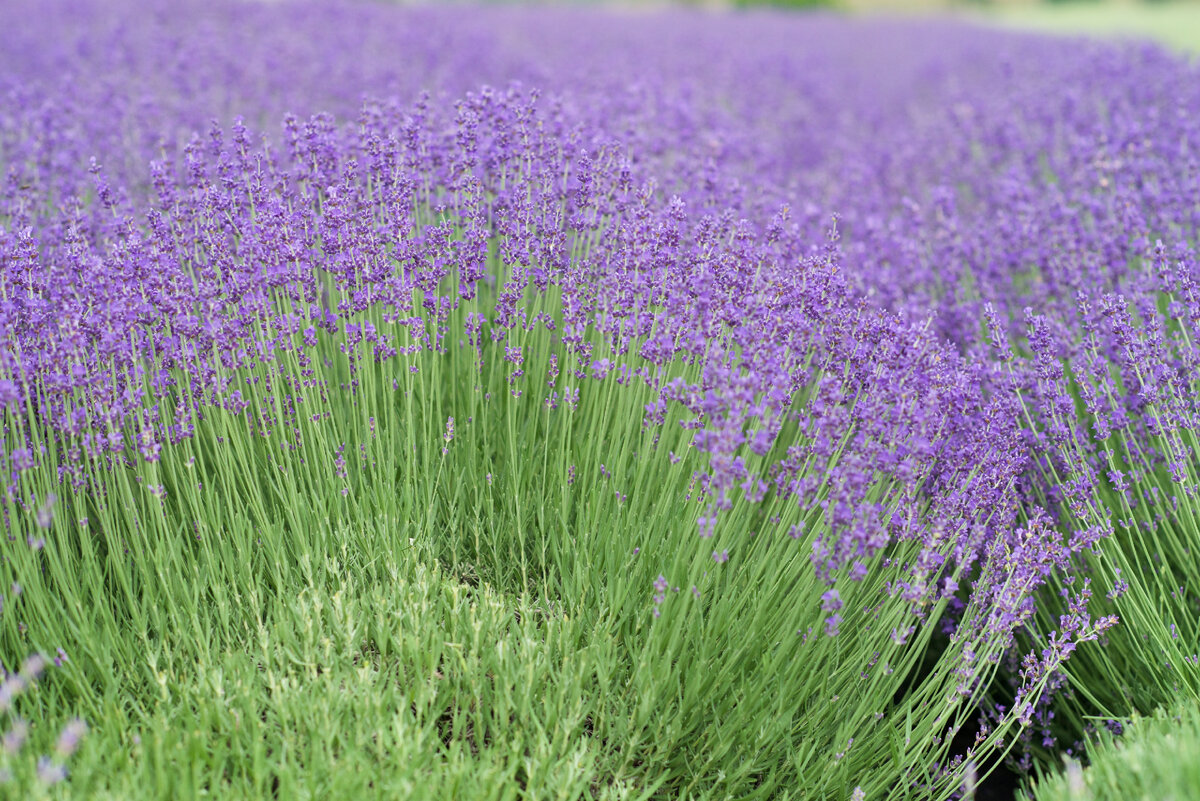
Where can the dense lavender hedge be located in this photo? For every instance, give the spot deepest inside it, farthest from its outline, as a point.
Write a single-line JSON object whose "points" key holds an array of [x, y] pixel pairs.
{"points": [[898, 316]]}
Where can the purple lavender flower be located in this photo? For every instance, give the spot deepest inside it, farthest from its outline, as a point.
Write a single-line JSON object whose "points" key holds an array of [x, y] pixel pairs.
{"points": [[68, 739], [831, 601], [45, 514], [10, 688], [32, 667], [50, 771], [15, 737]]}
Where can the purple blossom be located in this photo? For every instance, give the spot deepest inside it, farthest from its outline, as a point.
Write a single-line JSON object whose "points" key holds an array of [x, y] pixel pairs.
{"points": [[831, 601], [15, 737], [68, 739], [45, 514], [50, 771]]}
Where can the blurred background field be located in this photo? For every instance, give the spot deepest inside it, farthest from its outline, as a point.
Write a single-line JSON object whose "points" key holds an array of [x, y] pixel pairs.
{"points": [[1173, 22]]}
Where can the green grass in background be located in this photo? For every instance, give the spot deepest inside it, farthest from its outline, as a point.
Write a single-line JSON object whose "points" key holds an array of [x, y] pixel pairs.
{"points": [[1176, 24], [1156, 759]]}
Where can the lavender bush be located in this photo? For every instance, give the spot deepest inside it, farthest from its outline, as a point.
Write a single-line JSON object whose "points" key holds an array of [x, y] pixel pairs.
{"points": [[436, 384]]}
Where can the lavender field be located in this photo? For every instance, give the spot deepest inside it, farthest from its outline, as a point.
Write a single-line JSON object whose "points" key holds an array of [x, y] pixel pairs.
{"points": [[501, 403]]}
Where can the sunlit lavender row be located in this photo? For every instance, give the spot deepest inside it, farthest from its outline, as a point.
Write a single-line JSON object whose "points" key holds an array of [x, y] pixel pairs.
{"points": [[820, 393]]}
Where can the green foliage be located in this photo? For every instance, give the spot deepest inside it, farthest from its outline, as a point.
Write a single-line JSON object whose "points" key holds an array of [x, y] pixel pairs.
{"points": [[1156, 759], [1172, 22]]}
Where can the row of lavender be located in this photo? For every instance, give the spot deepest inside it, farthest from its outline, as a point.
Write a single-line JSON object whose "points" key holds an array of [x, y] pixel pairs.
{"points": [[662, 208]]}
